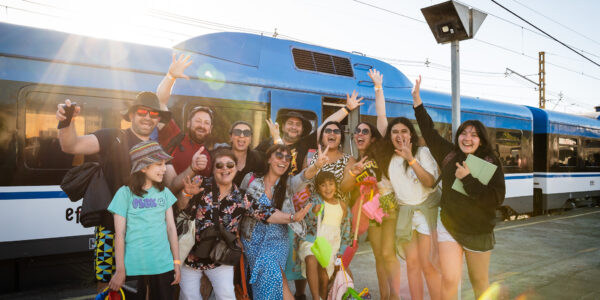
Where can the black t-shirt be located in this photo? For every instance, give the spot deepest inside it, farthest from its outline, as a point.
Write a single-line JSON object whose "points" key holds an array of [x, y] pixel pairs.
{"points": [[116, 165], [299, 150]]}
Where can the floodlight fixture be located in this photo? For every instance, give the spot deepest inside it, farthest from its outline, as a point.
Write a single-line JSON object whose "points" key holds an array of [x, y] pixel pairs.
{"points": [[451, 22]]}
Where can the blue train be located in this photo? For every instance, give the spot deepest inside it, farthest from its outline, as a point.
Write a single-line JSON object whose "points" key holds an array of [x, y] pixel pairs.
{"points": [[243, 77]]}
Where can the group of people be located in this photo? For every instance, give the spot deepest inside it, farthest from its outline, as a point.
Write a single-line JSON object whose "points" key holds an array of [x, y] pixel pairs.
{"points": [[278, 198]]}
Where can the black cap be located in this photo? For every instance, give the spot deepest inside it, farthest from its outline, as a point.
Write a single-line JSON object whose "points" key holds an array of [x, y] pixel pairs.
{"points": [[306, 125], [150, 100]]}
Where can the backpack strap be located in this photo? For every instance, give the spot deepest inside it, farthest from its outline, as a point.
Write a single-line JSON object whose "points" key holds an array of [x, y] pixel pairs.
{"points": [[174, 143], [450, 156]]}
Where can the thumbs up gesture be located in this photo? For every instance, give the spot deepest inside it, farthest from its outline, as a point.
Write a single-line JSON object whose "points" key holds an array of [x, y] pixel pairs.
{"points": [[199, 161]]}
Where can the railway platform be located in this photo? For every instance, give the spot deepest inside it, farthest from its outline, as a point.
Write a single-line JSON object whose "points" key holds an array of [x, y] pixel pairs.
{"points": [[546, 257]]}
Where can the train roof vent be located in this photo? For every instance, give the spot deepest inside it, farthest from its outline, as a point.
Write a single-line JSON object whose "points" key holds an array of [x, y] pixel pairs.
{"points": [[321, 62]]}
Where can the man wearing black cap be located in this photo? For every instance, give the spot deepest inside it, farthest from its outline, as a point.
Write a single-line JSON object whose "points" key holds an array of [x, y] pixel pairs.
{"points": [[112, 145]]}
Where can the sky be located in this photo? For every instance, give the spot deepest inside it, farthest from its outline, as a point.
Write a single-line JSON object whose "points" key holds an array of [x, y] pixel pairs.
{"points": [[391, 30]]}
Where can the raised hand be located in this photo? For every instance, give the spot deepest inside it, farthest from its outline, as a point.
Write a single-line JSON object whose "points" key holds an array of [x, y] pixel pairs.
{"points": [[178, 66], [376, 77], [352, 102], [60, 112], [462, 170], [358, 166], [192, 186], [199, 161], [405, 150], [299, 215], [416, 92], [273, 129], [322, 158]]}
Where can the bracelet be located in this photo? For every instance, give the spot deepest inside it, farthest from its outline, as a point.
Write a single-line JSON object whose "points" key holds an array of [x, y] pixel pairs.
{"points": [[177, 262], [291, 218], [279, 141], [412, 162], [170, 76], [351, 174], [346, 109], [378, 88], [186, 194]]}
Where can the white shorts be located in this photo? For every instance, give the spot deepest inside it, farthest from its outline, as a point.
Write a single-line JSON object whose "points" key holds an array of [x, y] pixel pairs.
{"points": [[419, 223]]}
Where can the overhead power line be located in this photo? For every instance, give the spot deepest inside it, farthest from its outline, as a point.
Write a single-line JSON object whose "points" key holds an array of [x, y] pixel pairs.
{"points": [[555, 39], [553, 21]]}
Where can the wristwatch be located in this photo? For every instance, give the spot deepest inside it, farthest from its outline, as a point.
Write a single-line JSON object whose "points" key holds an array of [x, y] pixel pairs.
{"points": [[291, 218]]}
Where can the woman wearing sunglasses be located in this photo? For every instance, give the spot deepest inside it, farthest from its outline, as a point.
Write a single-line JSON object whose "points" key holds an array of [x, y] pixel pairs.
{"points": [[266, 245], [197, 200], [248, 160], [332, 139]]}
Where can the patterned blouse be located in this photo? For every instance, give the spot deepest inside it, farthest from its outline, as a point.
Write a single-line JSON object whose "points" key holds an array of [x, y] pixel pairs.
{"points": [[311, 220], [231, 209], [337, 168]]}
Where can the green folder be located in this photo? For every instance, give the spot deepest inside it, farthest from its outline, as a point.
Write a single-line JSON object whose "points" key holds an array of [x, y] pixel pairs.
{"points": [[480, 169]]}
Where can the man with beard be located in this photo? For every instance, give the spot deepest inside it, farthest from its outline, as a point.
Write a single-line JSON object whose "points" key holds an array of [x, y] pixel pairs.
{"points": [[112, 146], [190, 151], [296, 134]]}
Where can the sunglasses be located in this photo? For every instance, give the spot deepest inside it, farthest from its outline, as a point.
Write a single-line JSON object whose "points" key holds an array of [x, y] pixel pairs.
{"points": [[239, 132], [334, 131], [142, 112], [280, 155], [229, 165], [364, 131]]}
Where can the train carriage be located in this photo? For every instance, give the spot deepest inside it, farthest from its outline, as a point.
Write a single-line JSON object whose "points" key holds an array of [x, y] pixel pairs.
{"points": [[567, 159], [241, 76]]}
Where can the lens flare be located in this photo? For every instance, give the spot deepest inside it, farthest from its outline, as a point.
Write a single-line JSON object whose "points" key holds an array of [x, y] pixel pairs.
{"points": [[213, 78]]}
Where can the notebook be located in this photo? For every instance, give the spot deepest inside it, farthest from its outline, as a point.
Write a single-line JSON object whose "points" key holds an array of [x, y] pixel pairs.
{"points": [[480, 169]]}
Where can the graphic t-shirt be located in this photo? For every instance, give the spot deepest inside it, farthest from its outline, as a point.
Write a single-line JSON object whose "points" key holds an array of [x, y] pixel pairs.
{"points": [[147, 248], [299, 150]]}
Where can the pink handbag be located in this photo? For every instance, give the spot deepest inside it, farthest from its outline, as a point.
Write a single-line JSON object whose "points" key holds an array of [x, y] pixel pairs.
{"points": [[372, 209]]}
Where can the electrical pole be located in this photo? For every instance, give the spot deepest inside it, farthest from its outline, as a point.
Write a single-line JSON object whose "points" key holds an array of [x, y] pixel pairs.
{"points": [[542, 79]]}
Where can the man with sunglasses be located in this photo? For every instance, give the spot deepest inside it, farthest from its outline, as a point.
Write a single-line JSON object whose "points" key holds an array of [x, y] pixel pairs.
{"points": [[112, 146]]}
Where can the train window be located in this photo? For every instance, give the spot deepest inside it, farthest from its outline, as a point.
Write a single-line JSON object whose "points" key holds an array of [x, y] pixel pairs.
{"points": [[225, 116], [42, 148], [508, 147], [567, 152], [591, 153]]}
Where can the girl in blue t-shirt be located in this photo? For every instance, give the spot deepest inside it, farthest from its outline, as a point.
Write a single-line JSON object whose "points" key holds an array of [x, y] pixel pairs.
{"points": [[146, 247]]}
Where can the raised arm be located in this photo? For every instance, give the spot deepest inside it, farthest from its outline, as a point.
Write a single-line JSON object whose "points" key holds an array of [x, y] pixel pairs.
{"points": [[176, 69], [69, 141], [351, 104], [382, 121], [438, 146]]}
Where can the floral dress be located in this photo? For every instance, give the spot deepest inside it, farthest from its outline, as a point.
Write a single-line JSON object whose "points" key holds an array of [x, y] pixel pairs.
{"points": [[231, 209], [266, 245]]}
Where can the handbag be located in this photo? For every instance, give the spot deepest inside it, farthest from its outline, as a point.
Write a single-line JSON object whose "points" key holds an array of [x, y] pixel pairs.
{"points": [[321, 247], [217, 244], [188, 238], [77, 179]]}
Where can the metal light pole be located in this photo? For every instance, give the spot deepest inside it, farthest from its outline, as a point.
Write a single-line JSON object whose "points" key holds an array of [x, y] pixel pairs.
{"points": [[451, 22]]}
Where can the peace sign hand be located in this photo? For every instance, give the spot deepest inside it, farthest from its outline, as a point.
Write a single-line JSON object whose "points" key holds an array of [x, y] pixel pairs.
{"points": [[192, 187], [462, 170], [273, 129], [358, 166], [299, 215], [322, 158], [405, 150], [178, 66], [352, 102]]}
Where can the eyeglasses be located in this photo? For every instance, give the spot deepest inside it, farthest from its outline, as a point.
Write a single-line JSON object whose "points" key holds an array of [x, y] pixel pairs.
{"points": [[364, 131], [286, 157], [334, 131], [239, 132], [229, 165], [142, 112], [201, 108]]}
